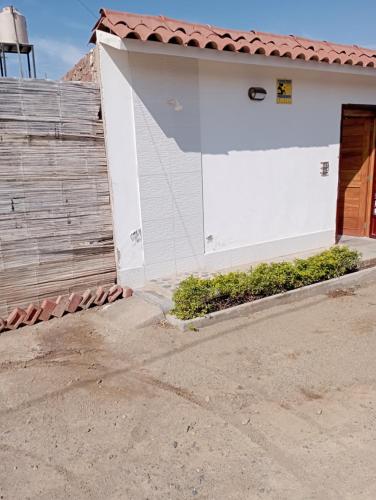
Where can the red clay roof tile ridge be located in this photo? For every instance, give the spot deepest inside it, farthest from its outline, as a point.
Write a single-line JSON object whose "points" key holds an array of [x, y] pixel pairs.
{"points": [[167, 30]]}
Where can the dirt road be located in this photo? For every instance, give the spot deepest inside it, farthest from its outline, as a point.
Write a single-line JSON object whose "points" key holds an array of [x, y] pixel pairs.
{"points": [[280, 405]]}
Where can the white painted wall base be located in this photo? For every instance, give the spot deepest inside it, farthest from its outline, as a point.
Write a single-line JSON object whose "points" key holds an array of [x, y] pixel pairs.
{"points": [[135, 278], [217, 261], [268, 250]]}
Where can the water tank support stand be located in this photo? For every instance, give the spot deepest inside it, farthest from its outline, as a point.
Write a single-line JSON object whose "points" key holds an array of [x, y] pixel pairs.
{"points": [[3, 62], [21, 50], [33, 59]]}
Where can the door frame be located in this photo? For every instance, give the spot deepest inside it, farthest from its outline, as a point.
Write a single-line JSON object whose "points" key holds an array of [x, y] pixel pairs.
{"points": [[362, 111]]}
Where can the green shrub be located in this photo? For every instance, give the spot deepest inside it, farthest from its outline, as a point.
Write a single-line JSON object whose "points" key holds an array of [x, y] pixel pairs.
{"points": [[196, 297], [230, 285], [192, 298], [332, 263], [270, 279]]}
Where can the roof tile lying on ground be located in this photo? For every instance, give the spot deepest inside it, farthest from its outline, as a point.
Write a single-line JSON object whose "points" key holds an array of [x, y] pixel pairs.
{"points": [[164, 30], [62, 305]]}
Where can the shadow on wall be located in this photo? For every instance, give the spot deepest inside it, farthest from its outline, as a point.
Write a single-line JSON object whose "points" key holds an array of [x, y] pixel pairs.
{"points": [[217, 117]]}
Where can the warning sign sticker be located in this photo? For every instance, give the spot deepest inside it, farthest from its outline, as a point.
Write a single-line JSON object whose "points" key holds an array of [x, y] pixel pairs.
{"points": [[284, 91]]}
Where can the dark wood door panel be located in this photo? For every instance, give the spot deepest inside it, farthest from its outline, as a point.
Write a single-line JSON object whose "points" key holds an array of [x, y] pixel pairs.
{"points": [[356, 149]]}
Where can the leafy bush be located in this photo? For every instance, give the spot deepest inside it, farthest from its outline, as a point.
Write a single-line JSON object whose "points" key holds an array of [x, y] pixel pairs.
{"points": [[192, 298], [332, 263], [269, 279], [197, 296]]}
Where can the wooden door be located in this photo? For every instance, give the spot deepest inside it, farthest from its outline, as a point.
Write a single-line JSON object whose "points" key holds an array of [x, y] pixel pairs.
{"points": [[355, 174]]}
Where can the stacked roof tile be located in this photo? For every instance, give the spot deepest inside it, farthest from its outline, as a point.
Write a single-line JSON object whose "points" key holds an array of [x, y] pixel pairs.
{"points": [[164, 30]]}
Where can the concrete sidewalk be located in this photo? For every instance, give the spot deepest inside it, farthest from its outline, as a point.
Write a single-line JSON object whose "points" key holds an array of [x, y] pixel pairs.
{"points": [[366, 246]]}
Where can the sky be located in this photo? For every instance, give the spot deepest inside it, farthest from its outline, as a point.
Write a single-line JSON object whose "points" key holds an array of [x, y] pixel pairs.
{"points": [[60, 30]]}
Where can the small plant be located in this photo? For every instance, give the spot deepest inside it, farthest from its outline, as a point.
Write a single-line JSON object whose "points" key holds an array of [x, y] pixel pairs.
{"points": [[196, 297]]}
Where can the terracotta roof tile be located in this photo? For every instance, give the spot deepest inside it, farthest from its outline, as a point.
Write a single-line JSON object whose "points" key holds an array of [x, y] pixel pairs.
{"points": [[164, 30]]}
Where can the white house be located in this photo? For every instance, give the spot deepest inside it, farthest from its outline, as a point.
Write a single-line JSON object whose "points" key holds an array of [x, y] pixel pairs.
{"points": [[224, 146]]}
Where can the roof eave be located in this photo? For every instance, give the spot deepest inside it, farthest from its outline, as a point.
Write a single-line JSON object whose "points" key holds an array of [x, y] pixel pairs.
{"points": [[137, 46]]}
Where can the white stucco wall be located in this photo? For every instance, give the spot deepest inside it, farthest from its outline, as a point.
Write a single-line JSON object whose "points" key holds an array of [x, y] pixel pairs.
{"points": [[168, 146], [262, 187], [213, 179], [120, 136]]}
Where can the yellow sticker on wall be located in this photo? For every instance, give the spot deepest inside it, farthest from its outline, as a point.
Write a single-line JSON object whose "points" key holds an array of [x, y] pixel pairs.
{"points": [[284, 91]]}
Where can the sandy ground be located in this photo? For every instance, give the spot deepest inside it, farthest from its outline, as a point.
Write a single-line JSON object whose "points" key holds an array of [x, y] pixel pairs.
{"points": [[279, 405]]}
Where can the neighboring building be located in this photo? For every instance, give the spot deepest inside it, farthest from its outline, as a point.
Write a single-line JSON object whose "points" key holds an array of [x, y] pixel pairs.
{"points": [[203, 177], [85, 70]]}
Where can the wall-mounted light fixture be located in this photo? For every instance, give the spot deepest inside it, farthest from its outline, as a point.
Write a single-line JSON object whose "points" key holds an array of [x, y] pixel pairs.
{"points": [[257, 93]]}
